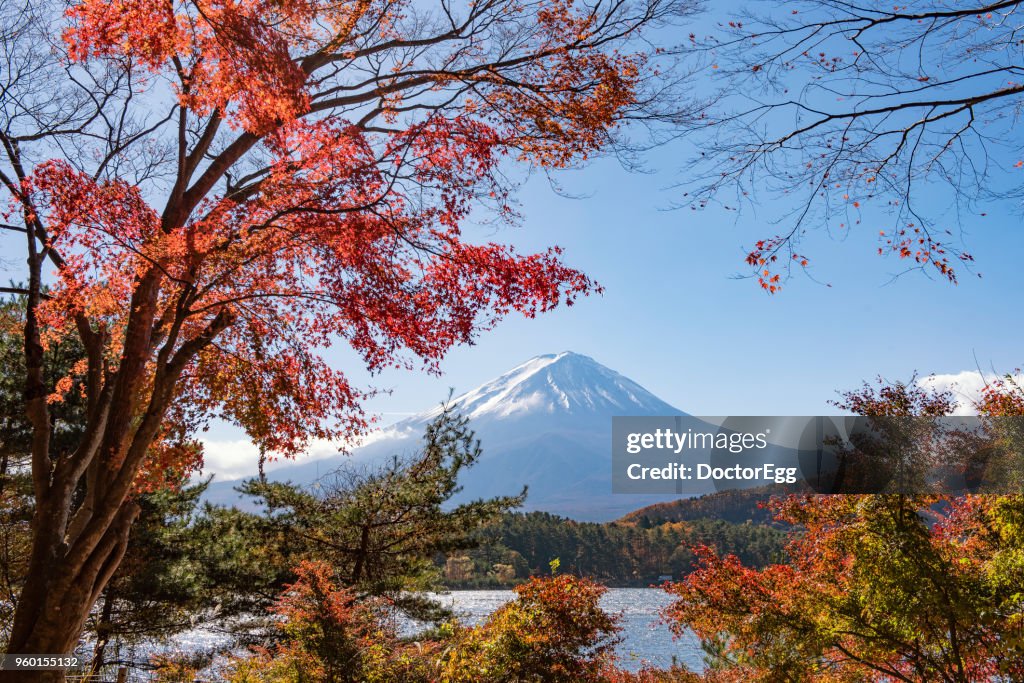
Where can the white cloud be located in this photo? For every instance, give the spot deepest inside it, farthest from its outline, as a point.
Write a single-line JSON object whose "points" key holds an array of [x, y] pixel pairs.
{"points": [[238, 458], [966, 386]]}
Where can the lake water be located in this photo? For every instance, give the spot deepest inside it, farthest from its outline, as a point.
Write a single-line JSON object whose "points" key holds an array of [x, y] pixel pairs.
{"points": [[645, 639]]}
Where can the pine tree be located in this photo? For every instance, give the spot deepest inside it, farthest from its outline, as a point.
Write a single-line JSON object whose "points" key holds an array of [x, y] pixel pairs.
{"points": [[381, 529]]}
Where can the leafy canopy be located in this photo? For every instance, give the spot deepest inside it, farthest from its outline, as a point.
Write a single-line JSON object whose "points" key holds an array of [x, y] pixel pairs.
{"points": [[878, 587]]}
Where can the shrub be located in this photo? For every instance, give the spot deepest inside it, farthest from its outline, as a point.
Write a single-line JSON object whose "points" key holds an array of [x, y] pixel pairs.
{"points": [[555, 631]]}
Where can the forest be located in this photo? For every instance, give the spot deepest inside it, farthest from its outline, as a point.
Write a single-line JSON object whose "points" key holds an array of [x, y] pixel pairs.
{"points": [[640, 553]]}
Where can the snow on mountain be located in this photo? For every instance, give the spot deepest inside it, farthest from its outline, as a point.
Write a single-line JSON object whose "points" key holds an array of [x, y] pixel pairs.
{"points": [[545, 424], [556, 386], [563, 383]]}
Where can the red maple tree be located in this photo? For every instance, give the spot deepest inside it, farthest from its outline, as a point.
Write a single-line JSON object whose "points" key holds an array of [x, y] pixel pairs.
{"points": [[225, 188]]}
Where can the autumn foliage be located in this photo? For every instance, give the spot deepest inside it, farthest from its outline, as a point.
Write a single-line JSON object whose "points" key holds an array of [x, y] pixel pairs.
{"points": [[871, 593], [224, 190], [553, 631], [331, 634], [877, 588]]}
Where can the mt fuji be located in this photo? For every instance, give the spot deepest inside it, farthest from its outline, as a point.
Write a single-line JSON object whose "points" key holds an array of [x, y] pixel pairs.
{"points": [[545, 424]]}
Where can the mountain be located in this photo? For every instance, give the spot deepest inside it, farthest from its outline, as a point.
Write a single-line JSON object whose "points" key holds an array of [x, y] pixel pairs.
{"points": [[545, 424]]}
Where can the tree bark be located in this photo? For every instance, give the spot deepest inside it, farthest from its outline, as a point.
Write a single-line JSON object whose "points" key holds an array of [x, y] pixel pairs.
{"points": [[76, 548], [361, 555], [75, 552], [55, 602], [103, 629]]}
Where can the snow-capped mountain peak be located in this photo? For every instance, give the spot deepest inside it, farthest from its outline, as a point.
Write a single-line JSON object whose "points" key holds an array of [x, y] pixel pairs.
{"points": [[545, 423], [563, 383]]}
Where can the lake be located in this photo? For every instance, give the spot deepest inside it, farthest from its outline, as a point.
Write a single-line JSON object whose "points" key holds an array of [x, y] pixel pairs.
{"points": [[645, 639]]}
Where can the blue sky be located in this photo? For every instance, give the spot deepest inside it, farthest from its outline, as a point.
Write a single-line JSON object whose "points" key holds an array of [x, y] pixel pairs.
{"points": [[675, 319]]}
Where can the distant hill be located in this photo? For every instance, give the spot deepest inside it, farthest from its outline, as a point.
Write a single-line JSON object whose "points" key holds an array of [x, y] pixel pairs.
{"points": [[736, 506], [642, 548], [621, 553]]}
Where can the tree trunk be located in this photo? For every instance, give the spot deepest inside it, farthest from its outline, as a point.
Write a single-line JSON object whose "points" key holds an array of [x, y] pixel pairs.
{"points": [[76, 549], [103, 629], [59, 594], [361, 556]]}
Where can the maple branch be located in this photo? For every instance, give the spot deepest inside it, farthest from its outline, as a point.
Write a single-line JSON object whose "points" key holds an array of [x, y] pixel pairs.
{"points": [[903, 110], [177, 211], [120, 146], [202, 146], [35, 387], [110, 497], [957, 105], [84, 462]]}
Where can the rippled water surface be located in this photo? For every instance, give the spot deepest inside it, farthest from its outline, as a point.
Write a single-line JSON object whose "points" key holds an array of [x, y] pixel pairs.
{"points": [[645, 638]]}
